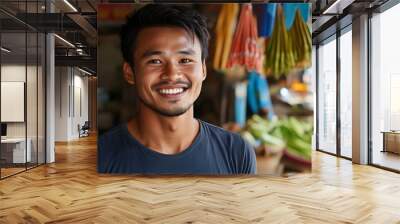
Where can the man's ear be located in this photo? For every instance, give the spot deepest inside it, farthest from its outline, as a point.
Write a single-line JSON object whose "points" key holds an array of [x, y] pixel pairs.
{"points": [[204, 70], [128, 73]]}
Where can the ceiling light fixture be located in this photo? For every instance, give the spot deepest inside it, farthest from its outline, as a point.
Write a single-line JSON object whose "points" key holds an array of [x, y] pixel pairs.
{"points": [[70, 5], [337, 7], [329, 9], [65, 41], [84, 71], [5, 50]]}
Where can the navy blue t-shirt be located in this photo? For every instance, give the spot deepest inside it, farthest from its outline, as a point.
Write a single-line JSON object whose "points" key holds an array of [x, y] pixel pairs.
{"points": [[214, 151]]}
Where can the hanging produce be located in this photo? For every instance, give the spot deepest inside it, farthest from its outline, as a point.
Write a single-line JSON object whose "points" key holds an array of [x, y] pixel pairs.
{"points": [[224, 30], [245, 51], [280, 58], [301, 40]]}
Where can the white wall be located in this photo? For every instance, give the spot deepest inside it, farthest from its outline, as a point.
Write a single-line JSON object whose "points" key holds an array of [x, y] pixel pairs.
{"points": [[71, 93], [12, 73], [80, 110], [62, 80]]}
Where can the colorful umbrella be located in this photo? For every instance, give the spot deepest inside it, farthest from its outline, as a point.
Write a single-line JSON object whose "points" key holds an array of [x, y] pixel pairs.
{"points": [[301, 41], [280, 58], [289, 12], [244, 50], [265, 18], [224, 30]]}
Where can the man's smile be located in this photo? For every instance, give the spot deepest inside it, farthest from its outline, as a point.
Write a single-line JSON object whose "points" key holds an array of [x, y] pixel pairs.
{"points": [[172, 92]]}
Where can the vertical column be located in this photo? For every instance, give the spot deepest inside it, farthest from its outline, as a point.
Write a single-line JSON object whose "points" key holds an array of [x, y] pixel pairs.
{"points": [[50, 92], [360, 90], [316, 111]]}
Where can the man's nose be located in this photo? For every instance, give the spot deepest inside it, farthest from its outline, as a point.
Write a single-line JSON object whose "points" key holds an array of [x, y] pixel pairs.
{"points": [[171, 71]]}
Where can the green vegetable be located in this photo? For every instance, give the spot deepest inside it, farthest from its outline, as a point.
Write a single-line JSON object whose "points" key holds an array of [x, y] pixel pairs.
{"points": [[288, 133]]}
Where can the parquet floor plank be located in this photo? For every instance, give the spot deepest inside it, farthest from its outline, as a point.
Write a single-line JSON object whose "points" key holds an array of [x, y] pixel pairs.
{"points": [[70, 191]]}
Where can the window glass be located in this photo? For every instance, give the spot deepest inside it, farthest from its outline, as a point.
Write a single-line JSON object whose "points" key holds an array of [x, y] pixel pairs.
{"points": [[385, 86], [346, 94], [327, 97]]}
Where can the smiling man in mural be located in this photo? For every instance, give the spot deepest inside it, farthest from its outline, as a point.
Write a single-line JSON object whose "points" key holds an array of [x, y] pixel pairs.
{"points": [[164, 49]]}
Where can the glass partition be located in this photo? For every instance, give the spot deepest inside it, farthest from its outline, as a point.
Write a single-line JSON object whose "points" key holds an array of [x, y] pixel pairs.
{"points": [[14, 145], [32, 87], [22, 77], [31, 99], [41, 79]]}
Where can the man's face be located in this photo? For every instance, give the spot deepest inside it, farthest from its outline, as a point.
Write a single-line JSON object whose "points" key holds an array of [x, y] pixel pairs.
{"points": [[168, 70]]}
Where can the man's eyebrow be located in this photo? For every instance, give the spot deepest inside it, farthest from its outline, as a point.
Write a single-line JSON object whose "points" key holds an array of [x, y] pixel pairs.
{"points": [[155, 52], [150, 53], [187, 52]]}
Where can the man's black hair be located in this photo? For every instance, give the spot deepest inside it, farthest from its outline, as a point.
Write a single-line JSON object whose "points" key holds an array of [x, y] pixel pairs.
{"points": [[153, 15]]}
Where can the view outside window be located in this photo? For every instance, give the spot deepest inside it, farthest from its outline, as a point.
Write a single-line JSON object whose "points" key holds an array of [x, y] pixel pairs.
{"points": [[386, 89], [327, 97], [346, 94]]}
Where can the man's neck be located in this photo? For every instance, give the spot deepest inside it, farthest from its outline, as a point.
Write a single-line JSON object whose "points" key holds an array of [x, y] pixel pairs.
{"points": [[167, 135]]}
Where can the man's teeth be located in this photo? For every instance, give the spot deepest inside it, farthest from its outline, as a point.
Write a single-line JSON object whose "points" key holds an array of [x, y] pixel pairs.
{"points": [[171, 91]]}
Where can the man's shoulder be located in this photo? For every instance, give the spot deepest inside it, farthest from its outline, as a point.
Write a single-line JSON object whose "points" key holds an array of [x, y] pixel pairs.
{"points": [[113, 133], [220, 132], [231, 142], [113, 138], [232, 145], [111, 148]]}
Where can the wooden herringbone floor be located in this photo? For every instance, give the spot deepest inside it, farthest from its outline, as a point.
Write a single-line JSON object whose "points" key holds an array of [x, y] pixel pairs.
{"points": [[70, 191]]}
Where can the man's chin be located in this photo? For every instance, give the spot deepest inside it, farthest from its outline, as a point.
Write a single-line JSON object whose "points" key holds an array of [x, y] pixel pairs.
{"points": [[172, 113], [167, 112]]}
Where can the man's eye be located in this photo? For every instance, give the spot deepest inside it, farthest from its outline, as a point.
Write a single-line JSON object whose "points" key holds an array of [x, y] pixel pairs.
{"points": [[154, 61], [186, 60]]}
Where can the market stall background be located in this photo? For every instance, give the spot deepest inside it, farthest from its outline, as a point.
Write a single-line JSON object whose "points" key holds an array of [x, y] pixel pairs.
{"points": [[259, 78]]}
